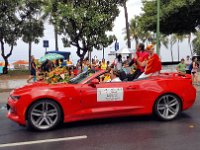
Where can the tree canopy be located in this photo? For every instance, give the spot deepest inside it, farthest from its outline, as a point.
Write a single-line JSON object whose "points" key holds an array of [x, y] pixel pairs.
{"points": [[13, 14], [176, 16], [84, 24]]}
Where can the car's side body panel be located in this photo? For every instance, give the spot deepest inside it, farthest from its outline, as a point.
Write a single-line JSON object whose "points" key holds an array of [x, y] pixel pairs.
{"points": [[85, 101]]}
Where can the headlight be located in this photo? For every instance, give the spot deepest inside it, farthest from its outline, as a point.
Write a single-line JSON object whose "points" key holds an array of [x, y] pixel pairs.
{"points": [[15, 98]]}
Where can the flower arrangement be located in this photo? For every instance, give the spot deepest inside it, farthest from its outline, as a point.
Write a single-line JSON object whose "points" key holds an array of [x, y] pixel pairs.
{"points": [[57, 75]]}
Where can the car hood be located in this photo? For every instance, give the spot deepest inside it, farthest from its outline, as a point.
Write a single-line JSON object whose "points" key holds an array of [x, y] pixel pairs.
{"points": [[39, 85]]}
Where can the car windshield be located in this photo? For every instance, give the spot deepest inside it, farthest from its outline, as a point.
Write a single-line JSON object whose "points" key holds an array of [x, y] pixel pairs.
{"points": [[82, 76]]}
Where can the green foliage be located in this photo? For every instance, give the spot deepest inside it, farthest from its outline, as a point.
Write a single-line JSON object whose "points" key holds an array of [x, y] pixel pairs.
{"points": [[14, 14], [176, 16], [196, 43], [33, 27], [84, 23], [32, 30]]}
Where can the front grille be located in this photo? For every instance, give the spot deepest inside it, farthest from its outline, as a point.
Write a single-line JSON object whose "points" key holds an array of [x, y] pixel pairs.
{"points": [[8, 107]]}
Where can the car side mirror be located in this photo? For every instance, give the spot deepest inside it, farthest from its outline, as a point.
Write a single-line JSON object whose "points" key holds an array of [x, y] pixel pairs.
{"points": [[94, 82]]}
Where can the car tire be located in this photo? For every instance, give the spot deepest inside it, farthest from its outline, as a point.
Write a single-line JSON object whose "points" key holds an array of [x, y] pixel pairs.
{"points": [[44, 115], [167, 107]]}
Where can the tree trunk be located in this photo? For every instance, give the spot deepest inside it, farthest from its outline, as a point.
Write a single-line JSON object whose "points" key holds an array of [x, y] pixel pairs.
{"points": [[81, 55], [56, 38], [178, 51], [171, 52], [127, 25], [189, 42], [5, 69], [103, 53], [136, 43], [5, 57], [29, 54], [90, 56]]}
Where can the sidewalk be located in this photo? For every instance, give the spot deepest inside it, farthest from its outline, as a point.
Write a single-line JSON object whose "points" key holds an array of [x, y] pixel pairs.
{"points": [[4, 97], [12, 84]]}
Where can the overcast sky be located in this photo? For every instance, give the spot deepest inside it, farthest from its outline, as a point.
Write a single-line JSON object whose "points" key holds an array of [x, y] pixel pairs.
{"points": [[134, 8]]}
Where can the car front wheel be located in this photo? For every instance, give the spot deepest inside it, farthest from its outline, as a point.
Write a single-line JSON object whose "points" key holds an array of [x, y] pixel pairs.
{"points": [[44, 115], [167, 107]]}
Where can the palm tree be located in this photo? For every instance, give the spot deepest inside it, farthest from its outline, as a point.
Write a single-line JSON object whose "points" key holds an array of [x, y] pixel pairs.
{"points": [[50, 10], [31, 32], [196, 43], [177, 38], [172, 42], [189, 42], [164, 40], [134, 30], [33, 27]]}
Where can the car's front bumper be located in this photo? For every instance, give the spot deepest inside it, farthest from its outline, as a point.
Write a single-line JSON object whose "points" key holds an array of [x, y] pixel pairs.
{"points": [[14, 112]]}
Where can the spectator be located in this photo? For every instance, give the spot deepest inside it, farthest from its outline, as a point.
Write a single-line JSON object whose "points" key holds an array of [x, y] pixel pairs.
{"points": [[118, 62], [128, 59], [103, 64], [85, 66], [78, 68], [69, 62], [194, 72], [187, 63], [33, 70], [153, 65], [108, 64], [93, 65], [62, 63], [181, 67], [106, 77], [47, 66], [126, 68]]}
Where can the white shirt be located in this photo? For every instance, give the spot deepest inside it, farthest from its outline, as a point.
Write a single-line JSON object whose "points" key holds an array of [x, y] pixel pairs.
{"points": [[118, 65], [117, 79], [187, 62]]}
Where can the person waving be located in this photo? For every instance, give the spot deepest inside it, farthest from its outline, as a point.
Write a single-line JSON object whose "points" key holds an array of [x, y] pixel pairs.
{"points": [[153, 65]]}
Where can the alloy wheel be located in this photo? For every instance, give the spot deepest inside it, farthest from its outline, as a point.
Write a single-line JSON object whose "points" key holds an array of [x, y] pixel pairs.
{"points": [[168, 107]]}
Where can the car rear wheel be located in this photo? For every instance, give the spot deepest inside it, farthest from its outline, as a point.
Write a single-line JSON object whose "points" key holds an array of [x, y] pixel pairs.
{"points": [[44, 115], [167, 107]]}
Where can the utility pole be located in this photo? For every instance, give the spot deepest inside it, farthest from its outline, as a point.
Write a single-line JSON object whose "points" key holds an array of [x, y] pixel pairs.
{"points": [[158, 28]]}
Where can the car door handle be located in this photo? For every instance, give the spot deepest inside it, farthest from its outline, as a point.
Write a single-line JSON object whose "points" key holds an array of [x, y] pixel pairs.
{"points": [[132, 87]]}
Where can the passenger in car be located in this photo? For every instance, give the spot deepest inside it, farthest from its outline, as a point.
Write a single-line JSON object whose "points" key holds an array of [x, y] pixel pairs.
{"points": [[115, 76], [140, 60], [153, 65]]}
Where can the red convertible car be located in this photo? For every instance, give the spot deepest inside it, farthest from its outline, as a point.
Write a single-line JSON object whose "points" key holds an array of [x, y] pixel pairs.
{"points": [[44, 106]]}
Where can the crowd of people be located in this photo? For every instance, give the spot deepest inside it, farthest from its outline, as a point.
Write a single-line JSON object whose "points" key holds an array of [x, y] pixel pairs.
{"points": [[189, 66], [145, 63]]}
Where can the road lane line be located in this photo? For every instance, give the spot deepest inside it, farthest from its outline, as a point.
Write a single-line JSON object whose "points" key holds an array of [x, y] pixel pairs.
{"points": [[43, 141]]}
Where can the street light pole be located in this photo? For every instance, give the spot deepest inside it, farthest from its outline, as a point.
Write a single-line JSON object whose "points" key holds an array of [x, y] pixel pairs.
{"points": [[158, 28]]}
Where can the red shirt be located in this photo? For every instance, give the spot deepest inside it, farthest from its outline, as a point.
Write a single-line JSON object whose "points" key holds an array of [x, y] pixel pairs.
{"points": [[142, 56], [153, 64]]}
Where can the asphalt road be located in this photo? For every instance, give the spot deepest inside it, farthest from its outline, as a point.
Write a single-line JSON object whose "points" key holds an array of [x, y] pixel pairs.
{"points": [[129, 133]]}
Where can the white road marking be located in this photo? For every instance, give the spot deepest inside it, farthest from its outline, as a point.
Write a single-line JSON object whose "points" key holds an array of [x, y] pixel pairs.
{"points": [[43, 141]]}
